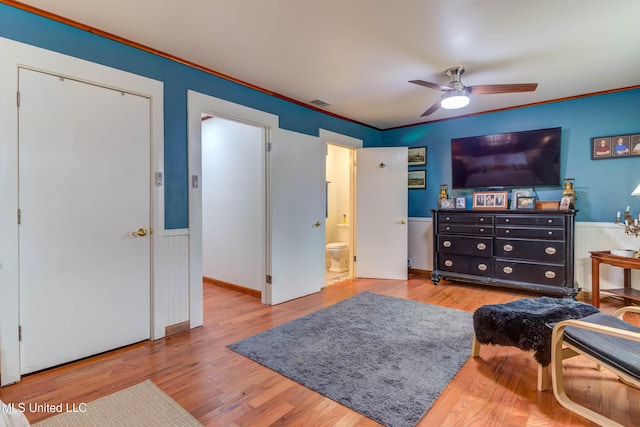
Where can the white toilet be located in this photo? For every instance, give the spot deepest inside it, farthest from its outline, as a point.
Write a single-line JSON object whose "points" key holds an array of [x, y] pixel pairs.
{"points": [[338, 252]]}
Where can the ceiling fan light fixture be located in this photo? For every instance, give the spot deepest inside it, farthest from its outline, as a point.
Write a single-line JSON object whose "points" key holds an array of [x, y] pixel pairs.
{"points": [[454, 99]]}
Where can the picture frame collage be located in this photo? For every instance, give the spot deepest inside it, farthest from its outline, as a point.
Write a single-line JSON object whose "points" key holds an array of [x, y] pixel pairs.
{"points": [[417, 178], [615, 147]]}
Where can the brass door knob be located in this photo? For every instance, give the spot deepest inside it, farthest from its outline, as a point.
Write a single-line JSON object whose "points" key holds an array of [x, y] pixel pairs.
{"points": [[317, 224], [141, 232]]}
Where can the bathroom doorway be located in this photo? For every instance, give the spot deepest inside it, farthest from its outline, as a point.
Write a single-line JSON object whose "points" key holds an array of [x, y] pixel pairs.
{"points": [[340, 213]]}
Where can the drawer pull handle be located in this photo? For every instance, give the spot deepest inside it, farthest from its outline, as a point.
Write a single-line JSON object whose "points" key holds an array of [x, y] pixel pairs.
{"points": [[482, 230], [481, 219], [550, 250], [448, 228], [448, 263], [507, 248], [506, 231], [482, 267], [550, 221], [447, 219], [446, 244], [549, 274], [550, 233], [508, 270], [481, 246]]}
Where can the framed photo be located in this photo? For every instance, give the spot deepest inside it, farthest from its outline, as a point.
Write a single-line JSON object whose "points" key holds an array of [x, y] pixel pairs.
{"points": [[620, 145], [600, 148], [417, 156], [526, 202], [490, 200], [447, 204], [616, 146], [565, 203], [516, 192], [635, 145], [417, 179], [461, 202]]}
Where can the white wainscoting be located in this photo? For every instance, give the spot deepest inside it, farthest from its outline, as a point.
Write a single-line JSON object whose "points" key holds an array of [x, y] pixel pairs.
{"points": [[421, 243], [602, 236], [176, 243], [590, 236]]}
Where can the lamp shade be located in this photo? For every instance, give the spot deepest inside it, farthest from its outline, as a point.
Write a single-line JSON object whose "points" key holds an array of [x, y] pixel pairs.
{"points": [[636, 192], [454, 99]]}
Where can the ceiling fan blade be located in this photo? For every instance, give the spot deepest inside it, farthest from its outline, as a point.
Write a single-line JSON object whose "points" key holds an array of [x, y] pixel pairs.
{"points": [[431, 109], [431, 85], [506, 88]]}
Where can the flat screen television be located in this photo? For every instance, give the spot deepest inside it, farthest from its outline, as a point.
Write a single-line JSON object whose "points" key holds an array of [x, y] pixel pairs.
{"points": [[516, 159]]}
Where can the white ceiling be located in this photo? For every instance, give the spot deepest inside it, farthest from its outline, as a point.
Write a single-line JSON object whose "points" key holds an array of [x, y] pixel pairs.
{"points": [[359, 55]]}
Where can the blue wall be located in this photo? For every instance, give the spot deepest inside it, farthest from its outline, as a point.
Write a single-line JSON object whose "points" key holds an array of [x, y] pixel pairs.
{"points": [[603, 186], [35, 30]]}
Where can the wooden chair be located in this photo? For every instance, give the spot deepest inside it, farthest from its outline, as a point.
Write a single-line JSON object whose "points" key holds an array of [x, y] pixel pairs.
{"points": [[608, 341]]}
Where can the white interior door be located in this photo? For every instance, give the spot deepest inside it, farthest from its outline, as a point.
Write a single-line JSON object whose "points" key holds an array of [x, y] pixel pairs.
{"points": [[297, 174], [84, 186], [381, 213]]}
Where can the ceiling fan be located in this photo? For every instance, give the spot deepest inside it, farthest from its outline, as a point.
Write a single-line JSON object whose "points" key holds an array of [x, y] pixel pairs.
{"points": [[456, 95]]}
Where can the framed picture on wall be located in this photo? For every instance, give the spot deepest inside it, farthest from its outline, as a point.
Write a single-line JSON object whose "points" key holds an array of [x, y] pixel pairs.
{"points": [[600, 148], [417, 156], [615, 147], [417, 179], [635, 145]]}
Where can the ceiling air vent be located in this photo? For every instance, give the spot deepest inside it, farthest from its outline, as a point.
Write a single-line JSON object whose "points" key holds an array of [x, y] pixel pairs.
{"points": [[319, 103]]}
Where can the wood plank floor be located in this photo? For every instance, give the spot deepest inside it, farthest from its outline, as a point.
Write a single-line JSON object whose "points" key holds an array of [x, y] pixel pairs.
{"points": [[222, 388]]}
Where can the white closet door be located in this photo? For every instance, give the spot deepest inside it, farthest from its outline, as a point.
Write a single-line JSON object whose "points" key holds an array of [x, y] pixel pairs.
{"points": [[381, 210], [84, 187]]}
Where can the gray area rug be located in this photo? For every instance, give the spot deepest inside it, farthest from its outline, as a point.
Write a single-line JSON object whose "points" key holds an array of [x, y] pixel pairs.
{"points": [[384, 357]]}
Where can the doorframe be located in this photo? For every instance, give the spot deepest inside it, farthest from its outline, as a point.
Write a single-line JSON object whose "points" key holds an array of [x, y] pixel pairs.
{"points": [[330, 137], [14, 55], [198, 103]]}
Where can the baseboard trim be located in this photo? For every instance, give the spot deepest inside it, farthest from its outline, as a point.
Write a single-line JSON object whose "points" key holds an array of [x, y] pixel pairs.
{"points": [[417, 271], [176, 328], [226, 285]]}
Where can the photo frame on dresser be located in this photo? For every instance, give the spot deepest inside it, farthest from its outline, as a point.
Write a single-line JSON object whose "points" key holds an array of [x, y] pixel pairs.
{"points": [[526, 202], [519, 192], [490, 200]]}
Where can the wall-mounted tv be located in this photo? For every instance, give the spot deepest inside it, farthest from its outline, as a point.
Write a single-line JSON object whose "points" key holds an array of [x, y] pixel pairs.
{"points": [[516, 159]]}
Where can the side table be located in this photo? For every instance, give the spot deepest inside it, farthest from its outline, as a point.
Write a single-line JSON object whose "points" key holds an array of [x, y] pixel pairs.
{"points": [[605, 257]]}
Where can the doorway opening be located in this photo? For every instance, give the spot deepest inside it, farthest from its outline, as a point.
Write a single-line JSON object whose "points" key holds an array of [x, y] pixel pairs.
{"points": [[233, 204], [340, 213]]}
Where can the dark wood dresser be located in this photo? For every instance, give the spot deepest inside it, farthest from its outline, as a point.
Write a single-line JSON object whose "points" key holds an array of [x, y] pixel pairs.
{"points": [[526, 249]]}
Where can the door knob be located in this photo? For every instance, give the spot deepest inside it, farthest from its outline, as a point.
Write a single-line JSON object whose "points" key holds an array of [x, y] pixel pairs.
{"points": [[140, 233], [317, 224], [403, 221]]}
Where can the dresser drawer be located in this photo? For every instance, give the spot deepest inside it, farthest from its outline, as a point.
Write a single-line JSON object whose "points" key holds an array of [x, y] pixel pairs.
{"points": [[456, 228], [474, 246], [531, 233], [536, 220], [477, 219], [537, 250], [466, 265], [544, 274]]}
